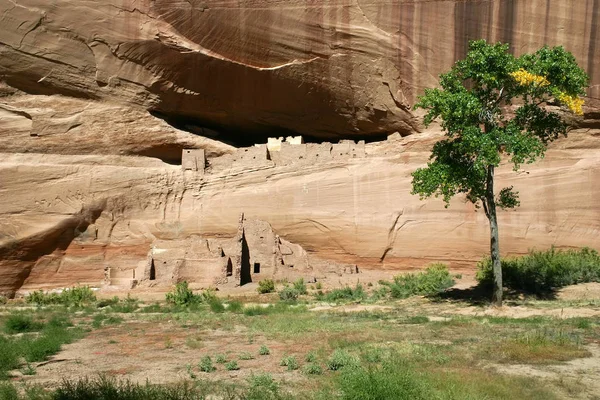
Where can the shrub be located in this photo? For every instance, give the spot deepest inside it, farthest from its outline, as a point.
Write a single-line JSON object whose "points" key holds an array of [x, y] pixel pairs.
{"points": [[347, 293], [389, 381], [220, 359], [19, 323], [264, 350], [433, 280], [340, 359], [319, 286], [232, 366], [3, 299], [310, 357], [312, 369], [9, 356], [246, 356], [300, 286], [206, 364], [182, 295], [290, 362], [266, 286], [77, 296], [288, 294], [542, 272], [263, 387]]}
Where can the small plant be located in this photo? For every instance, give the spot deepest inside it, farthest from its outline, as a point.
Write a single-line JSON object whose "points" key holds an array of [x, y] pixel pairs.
{"points": [[290, 362], [28, 369], [312, 369], [288, 294], [262, 387], [340, 359], [319, 286], [266, 286], [220, 359], [19, 323], [246, 356], [232, 366], [310, 357], [264, 350], [206, 364], [300, 286], [190, 371], [3, 299], [182, 295], [168, 343]]}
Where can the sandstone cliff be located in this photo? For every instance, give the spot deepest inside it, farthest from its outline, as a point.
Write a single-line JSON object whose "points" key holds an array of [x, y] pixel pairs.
{"points": [[98, 99]]}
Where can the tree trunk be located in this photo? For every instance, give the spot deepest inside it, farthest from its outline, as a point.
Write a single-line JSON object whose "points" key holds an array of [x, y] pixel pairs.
{"points": [[494, 239]]}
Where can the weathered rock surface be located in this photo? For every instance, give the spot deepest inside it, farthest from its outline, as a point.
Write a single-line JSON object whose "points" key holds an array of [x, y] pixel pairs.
{"points": [[64, 219], [89, 177], [262, 67]]}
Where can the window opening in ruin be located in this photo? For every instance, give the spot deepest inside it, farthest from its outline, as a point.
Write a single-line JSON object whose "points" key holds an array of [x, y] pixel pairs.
{"points": [[229, 267], [152, 270], [257, 268]]}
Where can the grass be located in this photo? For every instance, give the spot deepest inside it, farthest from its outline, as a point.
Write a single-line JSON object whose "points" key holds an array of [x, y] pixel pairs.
{"points": [[20, 323]]}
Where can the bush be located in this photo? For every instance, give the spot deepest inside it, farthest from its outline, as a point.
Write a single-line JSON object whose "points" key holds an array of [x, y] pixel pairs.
{"points": [[542, 272], [220, 359], [76, 296], [9, 356], [351, 294], [312, 369], [288, 294], [263, 387], [246, 356], [340, 359], [290, 362], [216, 305], [182, 295], [232, 366], [19, 323], [390, 381], [435, 279], [206, 364], [264, 350], [266, 286], [300, 286]]}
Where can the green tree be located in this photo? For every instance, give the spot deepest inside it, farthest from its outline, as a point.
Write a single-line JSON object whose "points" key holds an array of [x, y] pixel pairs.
{"points": [[491, 106]]}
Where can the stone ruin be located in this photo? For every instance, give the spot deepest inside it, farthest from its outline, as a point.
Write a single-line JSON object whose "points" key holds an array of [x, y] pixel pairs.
{"points": [[276, 152], [256, 252]]}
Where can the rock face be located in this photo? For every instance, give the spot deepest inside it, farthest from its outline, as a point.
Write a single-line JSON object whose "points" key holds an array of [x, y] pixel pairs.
{"points": [[98, 100], [326, 69]]}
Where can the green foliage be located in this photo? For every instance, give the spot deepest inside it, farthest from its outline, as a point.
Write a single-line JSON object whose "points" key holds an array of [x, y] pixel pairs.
{"points": [[232, 366], [289, 294], [340, 359], [77, 296], [479, 128], [389, 381], [266, 286], [9, 356], [312, 369], [206, 364], [347, 293], [19, 323], [310, 357], [300, 286], [216, 305], [246, 356], [182, 295], [263, 387], [235, 306], [319, 286], [220, 359], [542, 272], [433, 280], [290, 362], [264, 350]]}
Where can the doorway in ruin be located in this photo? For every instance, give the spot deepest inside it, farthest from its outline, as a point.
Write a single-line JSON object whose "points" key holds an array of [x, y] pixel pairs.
{"points": [[152, 270], [245, 276], [257, 268], [229, 267]]}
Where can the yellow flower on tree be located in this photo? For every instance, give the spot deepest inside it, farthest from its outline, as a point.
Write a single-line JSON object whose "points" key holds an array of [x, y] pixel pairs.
{"points": [[574, 103], [527, 78]]}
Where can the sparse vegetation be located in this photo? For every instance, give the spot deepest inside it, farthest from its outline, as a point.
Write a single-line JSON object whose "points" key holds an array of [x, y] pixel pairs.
{"points": [[289, 294], [433, 280], [543, 272], [290, 362], [266, 286], [264, 350], [300, 286], [78, 296], [206, 364], [182, 295], [231, 365]]}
